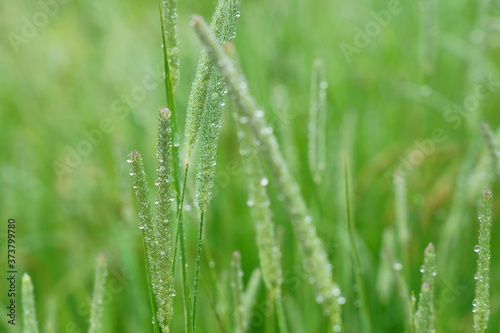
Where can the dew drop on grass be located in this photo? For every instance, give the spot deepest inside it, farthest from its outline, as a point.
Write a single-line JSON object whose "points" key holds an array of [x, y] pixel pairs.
{"points": [[477, 248], [319, 299], [397, 266], [132, 173], [264, 181], [422, 269], [129, 160], [337, 328], [259, 113], [250, 203], [341, 300]]}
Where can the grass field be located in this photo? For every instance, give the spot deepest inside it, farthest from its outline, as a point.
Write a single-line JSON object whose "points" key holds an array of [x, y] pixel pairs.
{"points": [[409, 85]]}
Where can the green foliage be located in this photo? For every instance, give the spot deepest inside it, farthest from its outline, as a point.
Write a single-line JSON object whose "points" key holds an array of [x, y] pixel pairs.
{"points": [[315, 257], [30, 323], [425, 318], [481, 304], [96, 306]]}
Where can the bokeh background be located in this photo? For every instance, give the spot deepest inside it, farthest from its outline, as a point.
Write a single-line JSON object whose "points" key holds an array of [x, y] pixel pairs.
{"points": [[74, 72]]}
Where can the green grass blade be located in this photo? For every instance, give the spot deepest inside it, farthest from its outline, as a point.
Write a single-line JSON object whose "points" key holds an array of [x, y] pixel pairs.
{"points": [[314, 254], [96, 307], [250, 295], [237, 291], [358, 269], [317, 122], [481, 305], [402, 289], [197, 271], [30, 323], [402, 223]]}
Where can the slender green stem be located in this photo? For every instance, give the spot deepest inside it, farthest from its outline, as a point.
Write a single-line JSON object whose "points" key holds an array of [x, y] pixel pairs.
{"points": [[358, 269], [169, 90], [280, 314], [197, 271]]}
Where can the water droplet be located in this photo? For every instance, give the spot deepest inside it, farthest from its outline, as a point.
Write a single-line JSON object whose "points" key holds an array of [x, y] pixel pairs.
{"points": [[222, 104], [243, 120], [336, 292], [211, 264], [422, 269], [337, 328], [323, 84], [129, 161], [264, 181], [132, 173], [397, 266], [320, 299], [250, 203], [307, 219], [259, 113], [341, 300], [477, 248], [267, 130], [141, 227]]}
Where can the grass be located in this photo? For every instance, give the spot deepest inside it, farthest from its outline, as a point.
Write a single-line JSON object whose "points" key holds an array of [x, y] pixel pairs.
{"points": [[97, 82]]}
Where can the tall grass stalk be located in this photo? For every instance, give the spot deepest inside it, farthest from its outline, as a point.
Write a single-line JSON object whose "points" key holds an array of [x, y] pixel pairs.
{"points": [[30, 323], [163, 283], [224, 26], [96, 306], [314, 254], [425, 318], [250, 295], [358, 268], [146, 222], [168, 20], [317, 121], [402, 289], [204, 116], [481, 304], [237, 291], [259, 202], [157, 231], [402, 224]]}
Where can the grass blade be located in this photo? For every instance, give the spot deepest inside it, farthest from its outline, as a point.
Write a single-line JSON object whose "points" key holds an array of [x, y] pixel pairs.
{"points": [[314, 254], [250, 296], [425, 318], [317, 122], [358, 269], [96, 308], [481, 304], [30, 322], [259, 202], [237, 290]]}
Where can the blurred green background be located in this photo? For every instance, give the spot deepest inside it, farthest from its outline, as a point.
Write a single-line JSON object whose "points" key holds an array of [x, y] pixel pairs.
{"points": [[90, 71]]}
